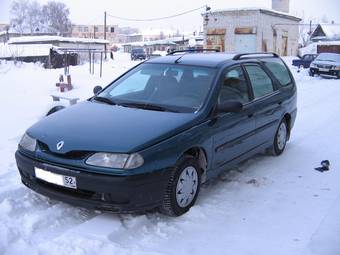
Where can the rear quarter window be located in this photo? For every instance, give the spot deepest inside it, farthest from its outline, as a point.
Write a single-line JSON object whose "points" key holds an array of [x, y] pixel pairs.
{"points": [[279, 70]]}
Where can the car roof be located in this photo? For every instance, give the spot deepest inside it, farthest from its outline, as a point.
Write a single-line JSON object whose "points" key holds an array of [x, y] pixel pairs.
{"points": [[195, 59]]}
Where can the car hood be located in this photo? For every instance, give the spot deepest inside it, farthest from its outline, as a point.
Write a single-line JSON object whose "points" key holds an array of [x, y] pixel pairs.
{"points": [[325, 62], [93, 126]]}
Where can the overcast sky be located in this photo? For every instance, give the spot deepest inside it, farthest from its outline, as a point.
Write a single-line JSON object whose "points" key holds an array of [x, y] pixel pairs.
{"points": [[91, 12]]}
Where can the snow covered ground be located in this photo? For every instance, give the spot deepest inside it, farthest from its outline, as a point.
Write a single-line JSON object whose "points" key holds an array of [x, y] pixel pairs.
{"points": [[268, 205]]}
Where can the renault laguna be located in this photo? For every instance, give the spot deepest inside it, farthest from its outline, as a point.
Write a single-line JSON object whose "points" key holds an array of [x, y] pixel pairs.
{"points": [[151, 138]]}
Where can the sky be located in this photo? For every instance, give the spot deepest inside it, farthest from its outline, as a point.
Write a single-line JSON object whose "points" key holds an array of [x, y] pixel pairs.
{"points": [[91, 12]]}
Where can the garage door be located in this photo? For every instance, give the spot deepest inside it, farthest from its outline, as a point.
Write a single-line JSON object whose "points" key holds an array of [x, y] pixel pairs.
{"points": [[245, 43]]}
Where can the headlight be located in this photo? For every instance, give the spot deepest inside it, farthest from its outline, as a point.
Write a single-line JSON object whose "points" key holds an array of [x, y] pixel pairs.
{"points": [[28, 143], [112, 160], [336, 68]]}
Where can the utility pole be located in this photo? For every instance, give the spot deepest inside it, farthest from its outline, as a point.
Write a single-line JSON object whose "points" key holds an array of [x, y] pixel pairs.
{"points": [[105, 32]]}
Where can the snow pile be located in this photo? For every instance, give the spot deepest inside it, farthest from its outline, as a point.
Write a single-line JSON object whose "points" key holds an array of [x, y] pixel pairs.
{"points": [[268, 205]]}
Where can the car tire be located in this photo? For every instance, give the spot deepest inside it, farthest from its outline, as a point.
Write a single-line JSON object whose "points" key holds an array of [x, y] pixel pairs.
{"points": [[55, 109], [311, 73], [183, 187], [281, 138]]}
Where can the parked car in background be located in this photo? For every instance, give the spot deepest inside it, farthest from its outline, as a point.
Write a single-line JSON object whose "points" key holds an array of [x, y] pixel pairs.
{"points": [[154, 135], [158, 53], [304, 61], [326, 64], [138, 53]]}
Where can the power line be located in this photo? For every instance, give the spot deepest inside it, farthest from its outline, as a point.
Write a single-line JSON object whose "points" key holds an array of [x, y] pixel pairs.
{"points": [[160, 18]]}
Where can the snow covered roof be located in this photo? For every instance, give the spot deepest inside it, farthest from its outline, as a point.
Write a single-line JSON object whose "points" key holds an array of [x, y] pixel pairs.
{"points": [[48, 38], [329, 43], [264, 10], [331, 31], [150, 43], [24, 50]]}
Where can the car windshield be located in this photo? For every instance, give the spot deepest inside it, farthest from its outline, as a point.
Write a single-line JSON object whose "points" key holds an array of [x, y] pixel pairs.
{"points": [[329, 57], [162, 87]]}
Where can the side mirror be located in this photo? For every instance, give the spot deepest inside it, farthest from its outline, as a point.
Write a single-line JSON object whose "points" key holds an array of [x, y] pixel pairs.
{"points": [[97, 89], [230, 106]]}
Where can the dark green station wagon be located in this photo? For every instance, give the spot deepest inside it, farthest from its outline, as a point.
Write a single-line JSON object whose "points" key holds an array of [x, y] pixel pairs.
{"points": [[152, 137]]}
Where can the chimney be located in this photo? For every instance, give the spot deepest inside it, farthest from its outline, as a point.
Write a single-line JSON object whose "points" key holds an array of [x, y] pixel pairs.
{"points": [[280, 5]]}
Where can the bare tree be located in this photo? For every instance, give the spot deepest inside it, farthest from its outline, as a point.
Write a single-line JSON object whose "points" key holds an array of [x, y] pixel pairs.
{"points": [[30, 17], [56, 17], [19, 13]]}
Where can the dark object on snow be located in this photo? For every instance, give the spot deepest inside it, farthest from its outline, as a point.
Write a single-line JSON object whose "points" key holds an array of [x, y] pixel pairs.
{"points": [[324, 166], [55, 109]]}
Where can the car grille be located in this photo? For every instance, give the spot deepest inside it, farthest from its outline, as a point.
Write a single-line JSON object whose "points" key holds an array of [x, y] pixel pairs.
{"points": [[325, 66], [76, 155]]}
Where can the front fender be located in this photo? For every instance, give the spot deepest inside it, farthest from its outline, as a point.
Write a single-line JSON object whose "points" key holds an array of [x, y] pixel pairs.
{"points": [[166, 153]]}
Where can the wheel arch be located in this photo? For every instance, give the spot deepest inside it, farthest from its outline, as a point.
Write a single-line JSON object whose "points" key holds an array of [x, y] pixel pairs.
{"points": [[200, 154], [288, 118]]}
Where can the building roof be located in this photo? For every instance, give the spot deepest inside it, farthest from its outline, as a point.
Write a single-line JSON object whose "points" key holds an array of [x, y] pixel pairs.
{"points": [[48, 38], [262, 10], [24, 50], [150, 43], [196, 59], [168, 41], [331, 31]]}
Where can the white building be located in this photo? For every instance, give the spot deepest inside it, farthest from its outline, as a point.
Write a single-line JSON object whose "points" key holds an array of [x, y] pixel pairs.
{"points": [[53, 51], [253, 29]]}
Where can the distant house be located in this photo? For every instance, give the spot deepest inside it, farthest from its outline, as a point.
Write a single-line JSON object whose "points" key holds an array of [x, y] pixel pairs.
{"points": [[253, 29], [176, 43], [326, 32], [52, 51]]}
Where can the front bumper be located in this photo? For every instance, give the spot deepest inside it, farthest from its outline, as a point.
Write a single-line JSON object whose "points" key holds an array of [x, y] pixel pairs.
{"points": [[122, 194], [330, 72]]}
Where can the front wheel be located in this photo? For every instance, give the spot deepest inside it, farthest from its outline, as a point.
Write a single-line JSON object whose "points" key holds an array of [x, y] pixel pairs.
{"points": [[183, 187], [280, 139]]}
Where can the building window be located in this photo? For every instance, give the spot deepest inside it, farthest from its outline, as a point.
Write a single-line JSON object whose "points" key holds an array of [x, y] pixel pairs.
{"points": [[112, 29], [86, 29], [95, 29], [80, 29]]}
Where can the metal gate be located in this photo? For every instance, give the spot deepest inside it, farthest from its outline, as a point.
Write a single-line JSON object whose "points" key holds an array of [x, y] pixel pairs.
{"points": [[245, 43]]}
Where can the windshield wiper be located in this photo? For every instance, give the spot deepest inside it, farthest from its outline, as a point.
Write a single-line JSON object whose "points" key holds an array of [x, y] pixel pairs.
{"points": [[104, 100], [148, 106]]}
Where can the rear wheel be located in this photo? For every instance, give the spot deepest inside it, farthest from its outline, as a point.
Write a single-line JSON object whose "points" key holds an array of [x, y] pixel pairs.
{"points": [[183, 187], [281, 137]]}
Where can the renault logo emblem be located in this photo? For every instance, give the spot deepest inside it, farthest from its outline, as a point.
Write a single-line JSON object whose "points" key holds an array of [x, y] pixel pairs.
{"points": [[60, 145]]}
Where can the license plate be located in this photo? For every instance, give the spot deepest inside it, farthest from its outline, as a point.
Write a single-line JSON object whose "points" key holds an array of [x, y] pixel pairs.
{"points": [[323, 69], [58, 179]]}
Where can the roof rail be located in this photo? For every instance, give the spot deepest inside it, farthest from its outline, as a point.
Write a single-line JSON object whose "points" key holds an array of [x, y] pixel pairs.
{"points": [[193, 50], [239, 56]]}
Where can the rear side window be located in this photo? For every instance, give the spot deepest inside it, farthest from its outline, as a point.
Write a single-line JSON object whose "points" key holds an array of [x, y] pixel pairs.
{"points": [[279, 70], [260, 81]]}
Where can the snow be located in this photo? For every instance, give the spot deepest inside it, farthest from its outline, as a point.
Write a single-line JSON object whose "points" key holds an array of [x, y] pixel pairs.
{"points": [[268, 205], [24, 50], [50, 38], [331, 31], [287, 15]]}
